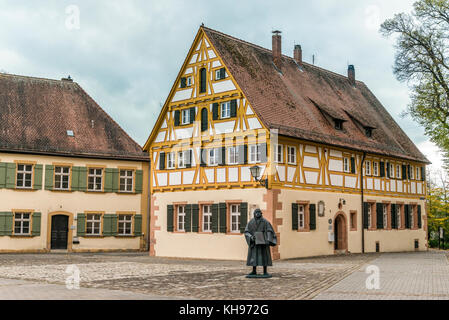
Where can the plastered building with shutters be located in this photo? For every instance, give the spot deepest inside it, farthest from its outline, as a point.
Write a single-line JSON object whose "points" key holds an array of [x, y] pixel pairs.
{"points": [[336, 172], [70, 177]]}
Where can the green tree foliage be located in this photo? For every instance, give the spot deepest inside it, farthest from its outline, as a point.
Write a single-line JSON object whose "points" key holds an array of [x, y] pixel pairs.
{"points": [[422, 60], [438, 205]]}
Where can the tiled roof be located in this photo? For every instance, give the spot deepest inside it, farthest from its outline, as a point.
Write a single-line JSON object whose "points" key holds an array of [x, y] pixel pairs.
{"points": [[36, 115], [294, 100]]}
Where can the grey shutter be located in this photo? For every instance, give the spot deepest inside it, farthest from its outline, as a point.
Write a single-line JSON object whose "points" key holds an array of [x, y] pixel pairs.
{"points": [[137, 225], [183, 82], [222, 73], [215, 111], [203, 80], [192, 114], [37, 177], [10, 175], [49, 173], [215, 217], [423, 173], [245, 154], [263, 152], [203, 160], [294, 216], [221, 156], [36, 224], [222, 210], [352, 165], [241, 151], [80, 224], [188, 158], [195, 217], [243, 216], [233, 108], [177, 115], [404, 172], [365, 215], [162, 161], [204, 119], [382, 169], [312, 220], [188, 221], [170, 218], [388, 170], [380, 213], [419, 217], [407, 216], [409, 172], [2, 175], [394, 217]]}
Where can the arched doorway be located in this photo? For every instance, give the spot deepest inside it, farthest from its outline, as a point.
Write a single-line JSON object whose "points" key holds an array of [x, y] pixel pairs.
{"points": [[59, 231], [340, 233]]}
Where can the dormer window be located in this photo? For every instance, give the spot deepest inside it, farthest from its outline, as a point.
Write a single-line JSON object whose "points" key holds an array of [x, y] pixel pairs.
{"points": [[368, 132], [338, 124], [220, 74]]}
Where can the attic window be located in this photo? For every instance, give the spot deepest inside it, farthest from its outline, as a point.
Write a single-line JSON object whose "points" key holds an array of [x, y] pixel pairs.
{"points": [[368, 132], [70, 133], [338, 124]]}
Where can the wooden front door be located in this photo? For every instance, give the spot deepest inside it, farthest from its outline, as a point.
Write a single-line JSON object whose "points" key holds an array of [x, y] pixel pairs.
{"points": [[340, 233], [59, 232]]}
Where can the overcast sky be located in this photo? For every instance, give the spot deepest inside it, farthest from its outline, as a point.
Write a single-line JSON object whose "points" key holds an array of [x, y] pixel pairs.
{"points": [[127, 54]]}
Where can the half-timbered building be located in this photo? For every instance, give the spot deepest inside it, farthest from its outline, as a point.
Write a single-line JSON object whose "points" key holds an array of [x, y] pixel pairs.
{"points": [[246, 127]]}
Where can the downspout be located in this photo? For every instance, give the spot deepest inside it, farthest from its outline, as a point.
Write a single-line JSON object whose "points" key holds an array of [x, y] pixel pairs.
{"points": [[362, 195]]}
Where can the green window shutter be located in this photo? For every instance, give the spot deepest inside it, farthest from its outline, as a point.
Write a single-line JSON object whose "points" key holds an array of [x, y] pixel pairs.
{"points": [[195, 217], [138, 225], [162, 161], [294, 216], [419, 217], [10, 175], [188, 221], [3, 228], [394, 216], [404, 172], [221, 156], [139, 181], [170, 218], [234, 108], [312, 220], [407, 216], [243, 216], [222, 73], [109, 176], [380, 213], [49, 174], [177, 115], [215, 217], [114, 224], [203, 160], [352, 165], [388, 170], [8, 223], [409, 171], [2, 175], [365, 215], [82, 179], [192, 114], [36, 224], [382, 169], [215, 111], [222, 209], [115, 180], [37, 177], [75, 178], [80, 224], [107, 225], [183, 82], [204, 119]]}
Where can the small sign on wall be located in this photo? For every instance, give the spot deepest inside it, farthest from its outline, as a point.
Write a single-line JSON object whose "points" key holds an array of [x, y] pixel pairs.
{"points": [[331, 236]]}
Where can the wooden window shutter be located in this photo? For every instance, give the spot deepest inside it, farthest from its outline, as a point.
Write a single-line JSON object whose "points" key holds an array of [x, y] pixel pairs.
{"points": [[195, 217], [204, 119], [366, 206], [241, 152], [352, 165], [215, 217], [49, 176], [3, 223], [115, 180], [2, 175], [37, 177], [380, 218], [109, 176], [419, 217], [139, 181], [203, 160], [75, 178], [388, 170], [192, 114], [222, 156], [394, 216], [177, 115], [9, 218], [423, 173], [404, 172], [407, 216], [162, 161], [36, 224], [408, 172], [189, 155], [243, 216], [294, 216], [233, 108], [245, 154], [312, 220], [263, 152], [170, 218], [138, 225], [188, 221], [222, 213], [82, 181], [183, 82], [382, 169], [80, 224], [10, 175], [222, 73], [107, 225], [215, 112]]}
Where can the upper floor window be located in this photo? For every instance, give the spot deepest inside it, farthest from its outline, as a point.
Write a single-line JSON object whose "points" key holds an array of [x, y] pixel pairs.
{"points": [[189, 81], [412, 173], [95, 179], [93, 224], [254, 153], [185, 116], [346, 165], [398, 171], [226, 110], [125, 222], [368, 168], [338, 124], [203, 80], [291, 155], [22, 223], [62, 177], [368, 132], [220, 74], [418, 173], [233, 155], [279, 153], [375, 168], [24, 175], [170, 160], [126, 180], [391, 170], [235, 218], [181, 159], [213, 157]]}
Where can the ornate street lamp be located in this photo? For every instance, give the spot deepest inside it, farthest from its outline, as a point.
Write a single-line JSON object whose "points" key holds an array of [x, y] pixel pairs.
{"points": [[255, 171]]}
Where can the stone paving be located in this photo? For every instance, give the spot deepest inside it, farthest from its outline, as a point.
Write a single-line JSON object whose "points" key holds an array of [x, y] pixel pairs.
{"points": [[138, 276], [410, 276]]}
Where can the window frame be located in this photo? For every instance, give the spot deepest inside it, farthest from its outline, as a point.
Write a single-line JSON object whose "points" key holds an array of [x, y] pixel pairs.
{"points": [[131, 222], [205, 214], [233, 152], [375, 168], [257, 154], [385, 215], [188, 81], [225, 107], [399, 207], [185, 113], [62, 174], [238, 214], [398, 171], [279, 156], [133, 173], [22, 220], [93, 221], [183, 215], [171, 160], [289, 154], [214, 157], [346, 165], [95, 175], [181, 156], [368, 171], [303, 215], [24, 172]]}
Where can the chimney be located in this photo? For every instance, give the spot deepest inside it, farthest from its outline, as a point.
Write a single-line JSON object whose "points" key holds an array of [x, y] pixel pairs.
{"points": [[351, 74], [277, 48], [297, 54]]}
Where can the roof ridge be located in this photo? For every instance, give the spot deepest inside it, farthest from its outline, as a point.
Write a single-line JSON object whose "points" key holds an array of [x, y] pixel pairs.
{"points": [[34, 78], [283, 55]]}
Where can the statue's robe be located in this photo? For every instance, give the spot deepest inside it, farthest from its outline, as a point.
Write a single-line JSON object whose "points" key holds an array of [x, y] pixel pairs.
{"points": [[259, 255]]}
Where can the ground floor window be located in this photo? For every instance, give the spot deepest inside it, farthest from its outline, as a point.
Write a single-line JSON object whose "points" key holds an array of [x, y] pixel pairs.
{"points": [[235, 218], [93, 224], [207, 218], [125, 224], [353, 220], [22, 223], [369, 216], [398, 215], [181, 217], [301, 217], [385, 215]]}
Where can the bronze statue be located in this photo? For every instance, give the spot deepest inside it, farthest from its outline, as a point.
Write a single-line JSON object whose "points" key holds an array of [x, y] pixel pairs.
{"points": [[260, 236]]}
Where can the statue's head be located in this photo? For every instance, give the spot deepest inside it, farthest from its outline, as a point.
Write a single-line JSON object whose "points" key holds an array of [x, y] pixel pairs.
{"points": [[257, 213]]}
